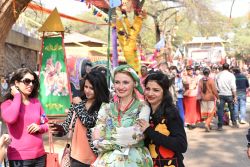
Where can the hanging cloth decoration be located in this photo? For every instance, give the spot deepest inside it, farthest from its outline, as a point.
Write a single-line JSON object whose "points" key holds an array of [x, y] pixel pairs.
{"points": [[99, 3], [55, 93], [114, 3], [160, 44], [127, 39]]}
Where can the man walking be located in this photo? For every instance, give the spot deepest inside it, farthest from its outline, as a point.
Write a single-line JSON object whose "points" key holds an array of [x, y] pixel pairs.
{"points": [[242, 85], [226, 86]]}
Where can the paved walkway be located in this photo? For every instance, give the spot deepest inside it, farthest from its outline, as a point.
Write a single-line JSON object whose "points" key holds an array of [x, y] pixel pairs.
{"points": [[217, 149], [213, 149]]}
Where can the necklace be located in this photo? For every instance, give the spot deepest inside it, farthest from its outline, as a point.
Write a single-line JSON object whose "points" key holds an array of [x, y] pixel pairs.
{"points": [[125, 109]]}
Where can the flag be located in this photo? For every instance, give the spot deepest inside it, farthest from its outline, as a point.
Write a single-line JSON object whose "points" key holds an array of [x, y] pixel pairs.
{"points": [[160, 44], [54, 85], [115, 3]]}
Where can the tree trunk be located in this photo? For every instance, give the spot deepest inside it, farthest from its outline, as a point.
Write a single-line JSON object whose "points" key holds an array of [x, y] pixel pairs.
{"points": [[157, 30], [7, 20]]}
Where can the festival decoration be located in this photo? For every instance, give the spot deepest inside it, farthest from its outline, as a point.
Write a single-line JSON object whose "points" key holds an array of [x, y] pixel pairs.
{"points": [[45, 10], [99, 3], [99, 13], [127, 38], [54, 91], [160, 44], [127, 5], [114, 3], [114, 46]]}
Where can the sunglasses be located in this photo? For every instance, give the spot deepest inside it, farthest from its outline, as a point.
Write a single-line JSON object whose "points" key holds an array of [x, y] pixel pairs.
{"points": [[27, 81]]}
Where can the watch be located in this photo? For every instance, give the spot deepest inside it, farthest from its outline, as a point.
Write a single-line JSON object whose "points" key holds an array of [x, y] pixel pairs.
{"points": [[248, 144]]}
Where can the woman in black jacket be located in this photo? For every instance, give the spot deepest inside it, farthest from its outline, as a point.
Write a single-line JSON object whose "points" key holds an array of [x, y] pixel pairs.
{"points": [[165, 134]]}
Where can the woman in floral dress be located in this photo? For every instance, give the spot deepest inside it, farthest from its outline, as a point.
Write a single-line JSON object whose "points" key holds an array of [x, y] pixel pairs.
{"points": [[116, 135]]}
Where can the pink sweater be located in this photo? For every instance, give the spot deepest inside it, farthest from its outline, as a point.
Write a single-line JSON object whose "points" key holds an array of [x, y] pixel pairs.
{"points": [[18, 117]]}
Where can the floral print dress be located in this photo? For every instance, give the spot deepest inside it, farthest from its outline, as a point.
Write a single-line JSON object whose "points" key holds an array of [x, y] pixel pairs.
{"points": [[121, 143]]}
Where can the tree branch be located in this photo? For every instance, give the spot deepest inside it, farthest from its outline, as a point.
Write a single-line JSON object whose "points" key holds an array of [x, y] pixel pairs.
{"points": [[170, 16], [152, 15], [168, 8]]}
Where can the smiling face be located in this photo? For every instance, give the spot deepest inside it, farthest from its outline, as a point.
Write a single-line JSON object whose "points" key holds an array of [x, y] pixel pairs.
{"points": [[153, 93], [123, 84], [26, 85], [89, 90]]}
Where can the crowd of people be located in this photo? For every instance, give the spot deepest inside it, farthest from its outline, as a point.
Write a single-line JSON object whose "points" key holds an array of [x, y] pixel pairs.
{"points": [[201, 92], [139, 122]]}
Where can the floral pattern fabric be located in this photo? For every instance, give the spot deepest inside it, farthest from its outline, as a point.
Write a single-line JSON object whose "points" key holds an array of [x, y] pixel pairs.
{"points": [[121, 144]]}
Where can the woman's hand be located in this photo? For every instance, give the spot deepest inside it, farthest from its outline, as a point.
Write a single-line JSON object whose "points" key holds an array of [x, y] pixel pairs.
{"points": [[56, 129], [5, 140], [33, 128], [76, 100], [14, 90], [143, 124]]}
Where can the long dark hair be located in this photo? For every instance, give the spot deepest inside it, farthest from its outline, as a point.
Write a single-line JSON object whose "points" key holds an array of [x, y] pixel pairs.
{"points": [[166, 107], [206, 73], [18, 76], [101, 91]]}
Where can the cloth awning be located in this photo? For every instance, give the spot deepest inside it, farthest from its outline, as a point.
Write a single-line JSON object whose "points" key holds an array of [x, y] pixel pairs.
{"points": [[99, 3]]}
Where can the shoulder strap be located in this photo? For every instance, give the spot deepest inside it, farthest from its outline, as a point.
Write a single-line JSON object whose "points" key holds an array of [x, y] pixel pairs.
{"points": [[71, 124]]}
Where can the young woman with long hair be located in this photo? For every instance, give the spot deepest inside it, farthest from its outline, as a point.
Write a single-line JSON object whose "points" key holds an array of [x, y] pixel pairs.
{"points": [[209, 94], [22, 112], [96, 92], [165, 134], [116, 135]]}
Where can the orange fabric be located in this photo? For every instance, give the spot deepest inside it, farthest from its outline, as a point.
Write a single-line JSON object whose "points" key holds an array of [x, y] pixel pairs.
{"points": [[211, 92], [192, 113], [80, 149], [42, 9], [99, 3]]}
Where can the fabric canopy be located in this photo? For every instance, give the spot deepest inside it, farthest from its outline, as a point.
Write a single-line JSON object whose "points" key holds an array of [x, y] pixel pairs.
{"points": [[99, 3]]}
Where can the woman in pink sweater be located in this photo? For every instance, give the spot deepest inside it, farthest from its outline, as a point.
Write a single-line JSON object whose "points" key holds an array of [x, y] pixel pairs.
{"points": [[23, 113]]}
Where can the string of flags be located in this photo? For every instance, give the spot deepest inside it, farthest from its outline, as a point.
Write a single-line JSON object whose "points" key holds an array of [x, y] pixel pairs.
{"points": [[95, 11]]}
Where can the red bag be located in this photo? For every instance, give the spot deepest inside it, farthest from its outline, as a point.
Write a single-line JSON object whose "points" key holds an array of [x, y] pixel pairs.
{"points": [[52, 159]]}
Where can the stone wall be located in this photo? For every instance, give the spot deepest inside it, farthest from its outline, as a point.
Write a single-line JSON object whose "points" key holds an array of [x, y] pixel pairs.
{"points": [[19, 50], [16, 56]]}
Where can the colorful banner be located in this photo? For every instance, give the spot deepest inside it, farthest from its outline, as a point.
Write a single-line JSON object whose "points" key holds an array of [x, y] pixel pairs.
{"points": [[54, 86]]}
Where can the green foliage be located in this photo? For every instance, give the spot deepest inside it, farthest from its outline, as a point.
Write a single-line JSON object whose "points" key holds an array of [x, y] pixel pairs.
{"points": [[190, 18]]}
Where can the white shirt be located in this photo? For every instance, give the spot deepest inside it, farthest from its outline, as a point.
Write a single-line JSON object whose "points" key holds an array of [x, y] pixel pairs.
{"points": [[225, 83]]}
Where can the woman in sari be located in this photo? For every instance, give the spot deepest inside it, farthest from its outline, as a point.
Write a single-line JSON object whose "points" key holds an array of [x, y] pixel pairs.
{"points": [[209, 95]]}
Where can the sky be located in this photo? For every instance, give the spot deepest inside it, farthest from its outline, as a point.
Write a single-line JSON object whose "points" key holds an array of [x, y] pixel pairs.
{"points": [[69, 7], [240, 7], [73, 7]]}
